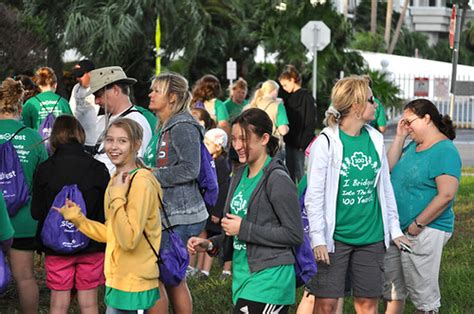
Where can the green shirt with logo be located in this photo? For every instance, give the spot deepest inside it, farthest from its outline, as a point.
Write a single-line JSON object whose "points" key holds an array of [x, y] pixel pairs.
{"points": [[234, 109], [275, 285], [37, 108], [149, 116], [31, 152], [358, 212]]}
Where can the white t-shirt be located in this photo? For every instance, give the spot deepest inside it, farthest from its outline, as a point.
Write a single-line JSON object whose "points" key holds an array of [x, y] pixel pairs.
{"points": [[85, 110], [136, 116]]}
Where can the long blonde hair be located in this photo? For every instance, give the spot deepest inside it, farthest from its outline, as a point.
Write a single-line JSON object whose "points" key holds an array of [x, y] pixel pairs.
{"points": [[173, 83], [348, 92], [261, 93]]}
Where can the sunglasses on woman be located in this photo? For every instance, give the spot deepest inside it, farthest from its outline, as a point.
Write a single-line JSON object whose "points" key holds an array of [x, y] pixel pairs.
{"points": [[408, 122]]}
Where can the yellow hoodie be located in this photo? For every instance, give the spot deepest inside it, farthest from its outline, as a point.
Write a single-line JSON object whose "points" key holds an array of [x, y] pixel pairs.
{"points": [[130, 264]]}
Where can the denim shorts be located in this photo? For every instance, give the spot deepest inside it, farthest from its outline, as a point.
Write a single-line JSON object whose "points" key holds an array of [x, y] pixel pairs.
{"points": [[184, 232]]}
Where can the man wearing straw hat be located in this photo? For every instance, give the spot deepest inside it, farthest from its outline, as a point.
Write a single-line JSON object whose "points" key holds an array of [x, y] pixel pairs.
{"points": [[111, 88]]}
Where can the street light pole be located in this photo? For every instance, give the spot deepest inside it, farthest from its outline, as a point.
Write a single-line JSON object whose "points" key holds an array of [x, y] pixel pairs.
{"points": [[455, 58]]}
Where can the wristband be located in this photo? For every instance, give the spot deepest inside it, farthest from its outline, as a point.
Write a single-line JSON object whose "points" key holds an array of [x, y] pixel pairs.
{"points": [[421, 226]]}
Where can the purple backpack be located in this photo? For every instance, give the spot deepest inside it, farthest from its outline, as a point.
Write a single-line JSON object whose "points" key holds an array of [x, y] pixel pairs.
{"points": [[5, 274], [46, 126], [12, 180], [207, 179], [305, 263], [59, 234]]}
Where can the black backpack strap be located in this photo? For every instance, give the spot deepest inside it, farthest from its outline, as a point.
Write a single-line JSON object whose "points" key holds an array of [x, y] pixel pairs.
{"points": [[16, 133], [327, 138], [128, 111], [54, 107], [41, 103]]}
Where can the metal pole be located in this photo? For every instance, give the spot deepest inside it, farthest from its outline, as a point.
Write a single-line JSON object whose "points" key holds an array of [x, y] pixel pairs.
{"points": [[455, 58], [315, 62]]}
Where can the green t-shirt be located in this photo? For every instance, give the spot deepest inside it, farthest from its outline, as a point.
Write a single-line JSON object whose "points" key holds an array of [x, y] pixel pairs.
{"points": [[31, 153], [275, 285], [358, 212], [130, 301], [149, 157], [149, 116], [37, 108], [282, 118], [414, 181], [380, 118], [234, 109], [6, 228], [217, 110]]}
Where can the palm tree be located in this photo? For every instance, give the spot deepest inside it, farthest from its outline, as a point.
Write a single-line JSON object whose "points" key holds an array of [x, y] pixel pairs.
{"points": [[373, 16], [391, 48], [388, 22]]}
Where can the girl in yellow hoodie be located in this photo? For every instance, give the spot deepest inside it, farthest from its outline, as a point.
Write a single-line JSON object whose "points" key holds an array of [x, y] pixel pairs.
{"points": [[132, 209]]}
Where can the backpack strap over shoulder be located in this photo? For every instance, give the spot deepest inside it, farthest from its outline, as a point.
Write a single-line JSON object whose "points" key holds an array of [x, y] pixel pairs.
{"points": [[16, 133]]}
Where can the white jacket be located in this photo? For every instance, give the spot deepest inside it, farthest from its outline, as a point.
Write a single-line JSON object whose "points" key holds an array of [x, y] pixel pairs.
{"points": [[324, 167]]}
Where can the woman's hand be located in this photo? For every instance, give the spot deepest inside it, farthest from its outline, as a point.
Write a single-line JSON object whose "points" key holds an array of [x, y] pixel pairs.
{"points": [[231, 224], [121, 179], [70, 210], [413, 229], [402, 130], [321, 254], [401, 239], [215, 219], [196, 244]]}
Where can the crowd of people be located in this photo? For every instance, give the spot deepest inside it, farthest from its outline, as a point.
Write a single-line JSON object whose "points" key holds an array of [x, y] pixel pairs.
{"points": [[378, 218]]}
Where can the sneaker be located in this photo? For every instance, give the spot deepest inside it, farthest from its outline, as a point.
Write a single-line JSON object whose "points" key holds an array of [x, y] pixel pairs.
{"points": [[201, 276], [225, 276], [191, 271]]}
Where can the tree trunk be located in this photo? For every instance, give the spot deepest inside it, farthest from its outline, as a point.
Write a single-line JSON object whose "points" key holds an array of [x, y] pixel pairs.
{"points": [[463, 16], [399, 27], [388, 23], [373, 16]]}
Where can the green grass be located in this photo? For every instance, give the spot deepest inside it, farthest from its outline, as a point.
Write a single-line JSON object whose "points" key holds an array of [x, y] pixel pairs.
{"points": [[456, 278]]}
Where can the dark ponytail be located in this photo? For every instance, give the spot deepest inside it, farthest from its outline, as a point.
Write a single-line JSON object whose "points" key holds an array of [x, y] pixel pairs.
{"points": [[258, 122], [422, 107]]}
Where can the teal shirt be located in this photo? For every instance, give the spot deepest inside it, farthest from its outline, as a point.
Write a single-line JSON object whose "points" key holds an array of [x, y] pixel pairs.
{"points": [[37, 108], [358, 213], [6, 228], [275, 285], [414, 181], [217, 110], [234, 109], [31, 152]]}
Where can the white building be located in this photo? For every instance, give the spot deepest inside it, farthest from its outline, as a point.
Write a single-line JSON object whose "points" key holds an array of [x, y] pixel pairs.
{"points": [[430, 17]]}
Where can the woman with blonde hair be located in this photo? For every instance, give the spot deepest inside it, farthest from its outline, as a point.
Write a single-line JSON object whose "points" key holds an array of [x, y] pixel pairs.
{"points": [[265, 98], [38, 107], [351, 208], [132, 223], [32, 154], [177, 168]]}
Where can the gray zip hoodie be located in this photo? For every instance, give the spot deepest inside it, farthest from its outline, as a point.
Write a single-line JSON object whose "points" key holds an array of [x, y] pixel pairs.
{"points": [[178, 163], [273, 224]]}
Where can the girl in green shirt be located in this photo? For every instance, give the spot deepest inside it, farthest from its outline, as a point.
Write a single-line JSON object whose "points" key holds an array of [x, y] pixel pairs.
{"points": [[261, 221]]}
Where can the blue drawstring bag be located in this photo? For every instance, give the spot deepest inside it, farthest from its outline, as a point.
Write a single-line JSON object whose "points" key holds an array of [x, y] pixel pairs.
{"points": [[5, 274], [305, 263], [59, 234], [207, 179], [46, 125], [173, 260], [12, 180]]}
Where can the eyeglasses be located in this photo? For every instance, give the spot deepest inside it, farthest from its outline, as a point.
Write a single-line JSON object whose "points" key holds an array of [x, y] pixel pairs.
{"points": [[408, 123], [371, 100]]}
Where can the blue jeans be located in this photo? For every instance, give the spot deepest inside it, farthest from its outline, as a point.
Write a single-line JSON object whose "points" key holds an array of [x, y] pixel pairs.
{"points": [[184, 232], [295, 162]]}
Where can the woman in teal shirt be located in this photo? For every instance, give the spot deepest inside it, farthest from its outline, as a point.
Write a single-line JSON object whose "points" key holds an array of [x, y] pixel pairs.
{"points": [[262, 221], [425, 178]]}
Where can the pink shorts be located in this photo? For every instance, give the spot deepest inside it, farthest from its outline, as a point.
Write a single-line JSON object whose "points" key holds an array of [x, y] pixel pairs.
{"points": [[83, 272]]}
